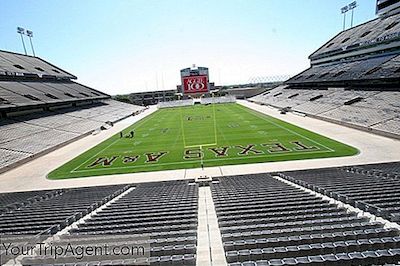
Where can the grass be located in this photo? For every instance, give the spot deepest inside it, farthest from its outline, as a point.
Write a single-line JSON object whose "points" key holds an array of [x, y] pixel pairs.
{"points": [[212, 135]]}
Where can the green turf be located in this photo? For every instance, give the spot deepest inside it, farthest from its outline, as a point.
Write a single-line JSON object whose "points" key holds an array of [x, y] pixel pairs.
{"points": [[170, 138]]}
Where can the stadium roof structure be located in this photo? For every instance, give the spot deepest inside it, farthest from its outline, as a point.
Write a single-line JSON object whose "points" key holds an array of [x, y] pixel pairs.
{"points": [[387, 7], [28, 82], [372, 70], [375, 36], [18, 65], [367, 55]]}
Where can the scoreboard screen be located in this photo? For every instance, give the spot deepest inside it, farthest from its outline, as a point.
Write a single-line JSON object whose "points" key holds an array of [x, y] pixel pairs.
{"points": [[195, 84]]}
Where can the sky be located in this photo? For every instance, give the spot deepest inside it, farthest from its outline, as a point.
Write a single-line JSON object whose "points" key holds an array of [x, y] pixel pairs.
{"points": [[121, 46]]}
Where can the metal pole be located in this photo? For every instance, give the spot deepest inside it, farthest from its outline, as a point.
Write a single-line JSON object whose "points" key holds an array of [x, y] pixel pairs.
{"points": [[157, 80], [162, 81], [33, 50], [23, 43], [344, 20], [352, 14]]}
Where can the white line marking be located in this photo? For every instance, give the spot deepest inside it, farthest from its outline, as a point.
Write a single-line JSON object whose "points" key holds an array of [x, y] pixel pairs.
{"points": [[251, 111], [256, 113], [208, 160], [138, 125]]}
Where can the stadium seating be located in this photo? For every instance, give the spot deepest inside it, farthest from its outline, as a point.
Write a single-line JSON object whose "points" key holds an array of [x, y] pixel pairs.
{"points": [[373, 109], [25, 136], [266, 222], [352, 80], [11, 201], [189, 102], [385, 170], [55, 211], [44, 213], [262, 220], [245, 92], [391, 126], [359, 36], [374, 188], [12, 64], [164, 214], [42, 108], [380, 67], [179, 103], [33, 93], [224, 99]]}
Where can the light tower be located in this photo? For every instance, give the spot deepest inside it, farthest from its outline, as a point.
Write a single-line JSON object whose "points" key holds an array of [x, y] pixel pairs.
{"points": [[29, 33], [21, 31], [346, 9], [352, 6]]}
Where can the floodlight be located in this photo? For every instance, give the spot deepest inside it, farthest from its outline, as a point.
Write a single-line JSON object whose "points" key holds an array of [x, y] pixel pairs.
{"points": [[353, 5], [20, 30]]}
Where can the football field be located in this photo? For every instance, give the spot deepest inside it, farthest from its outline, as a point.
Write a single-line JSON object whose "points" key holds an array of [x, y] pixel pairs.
{"points": [[201, 135]]}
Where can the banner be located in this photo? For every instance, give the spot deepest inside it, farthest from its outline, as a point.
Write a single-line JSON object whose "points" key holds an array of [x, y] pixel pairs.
{"points": [[195, 84]]}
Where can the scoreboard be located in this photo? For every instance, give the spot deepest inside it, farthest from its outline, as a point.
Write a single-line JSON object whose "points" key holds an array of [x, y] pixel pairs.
{"points": [[195, 80], [195, 84]]}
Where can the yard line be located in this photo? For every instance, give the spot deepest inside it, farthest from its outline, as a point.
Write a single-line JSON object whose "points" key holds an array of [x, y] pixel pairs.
{"points": [[138, 124], [263, 116]]}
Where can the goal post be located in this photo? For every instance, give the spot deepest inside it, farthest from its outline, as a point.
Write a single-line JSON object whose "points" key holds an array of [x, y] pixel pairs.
{"points": [[195, 117]]}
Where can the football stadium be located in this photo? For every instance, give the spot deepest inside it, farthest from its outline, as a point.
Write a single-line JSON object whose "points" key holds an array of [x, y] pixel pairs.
{"points": [[305, 171]]}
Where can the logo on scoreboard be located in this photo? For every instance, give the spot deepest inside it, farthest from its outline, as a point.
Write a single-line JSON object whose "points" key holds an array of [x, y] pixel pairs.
{"points": [[195, 84]]}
